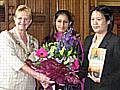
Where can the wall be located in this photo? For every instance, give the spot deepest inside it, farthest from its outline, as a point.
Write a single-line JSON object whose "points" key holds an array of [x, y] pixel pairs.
{"points": [[44, 10], [43, 13]]}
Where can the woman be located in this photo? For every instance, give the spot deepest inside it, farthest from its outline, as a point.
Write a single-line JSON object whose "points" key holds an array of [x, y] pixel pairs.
{"points": [[63, 23], [105, 75], [16, 46]]}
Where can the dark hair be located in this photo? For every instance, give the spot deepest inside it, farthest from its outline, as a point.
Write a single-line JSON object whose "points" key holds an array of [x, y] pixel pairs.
{"points": [[60, 12], [53, 30], [106, 11], [67, 13]]}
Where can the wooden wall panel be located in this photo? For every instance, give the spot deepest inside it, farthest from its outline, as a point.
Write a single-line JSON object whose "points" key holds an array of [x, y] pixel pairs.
{"points": [[36, 30], [108, 0], [81, 19], [9, 10], [86, 18], [73, 7]]}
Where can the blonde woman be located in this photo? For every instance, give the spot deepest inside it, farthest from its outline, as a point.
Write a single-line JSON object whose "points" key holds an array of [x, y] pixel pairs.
{"points": [[16, 46]]}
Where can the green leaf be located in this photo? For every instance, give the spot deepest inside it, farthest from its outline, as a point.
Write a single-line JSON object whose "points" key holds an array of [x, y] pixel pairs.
{"points": [[38, 64]]}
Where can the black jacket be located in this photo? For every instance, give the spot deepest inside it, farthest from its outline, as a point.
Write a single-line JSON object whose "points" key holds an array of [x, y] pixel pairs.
{"points": [[110, 79]]}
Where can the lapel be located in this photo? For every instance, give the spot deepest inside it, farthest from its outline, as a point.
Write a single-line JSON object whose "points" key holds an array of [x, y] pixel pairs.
{"points": [[30, 47], [88, 42], [18, 41], [105, 40], [17, 36]]}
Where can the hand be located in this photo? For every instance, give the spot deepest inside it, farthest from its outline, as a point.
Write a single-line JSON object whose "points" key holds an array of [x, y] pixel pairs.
{"points": [[97, 80], [44, 84], [74, 74], [43, 77], [44, 80]]}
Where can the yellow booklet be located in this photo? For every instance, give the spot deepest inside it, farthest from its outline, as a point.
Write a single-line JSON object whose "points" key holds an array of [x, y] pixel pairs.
{"points": [[96, 63]]}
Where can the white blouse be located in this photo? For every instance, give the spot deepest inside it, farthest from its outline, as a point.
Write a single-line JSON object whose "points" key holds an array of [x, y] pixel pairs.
{"points": [[94, 45], [12, 58]]}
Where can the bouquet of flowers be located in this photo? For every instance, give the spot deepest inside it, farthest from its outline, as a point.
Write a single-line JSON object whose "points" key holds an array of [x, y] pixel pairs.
{"points": [[60, 60]]}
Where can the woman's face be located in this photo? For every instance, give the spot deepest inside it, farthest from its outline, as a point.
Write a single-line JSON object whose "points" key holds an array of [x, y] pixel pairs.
{"points": [[98, 22], [22, 20], [62, 23]]}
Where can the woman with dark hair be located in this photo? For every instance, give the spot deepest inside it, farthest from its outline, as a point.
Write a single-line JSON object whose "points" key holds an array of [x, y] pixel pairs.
{"points": [[103, 70], [57, 29], [63, 24], [107, 14]]}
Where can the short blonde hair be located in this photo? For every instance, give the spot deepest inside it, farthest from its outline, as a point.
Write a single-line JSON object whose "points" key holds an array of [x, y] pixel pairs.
{"points": [[23, 8]]}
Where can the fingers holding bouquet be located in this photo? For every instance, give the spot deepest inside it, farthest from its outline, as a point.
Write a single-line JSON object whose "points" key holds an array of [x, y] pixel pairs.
{"points": [[72, 78], [44, 80]]}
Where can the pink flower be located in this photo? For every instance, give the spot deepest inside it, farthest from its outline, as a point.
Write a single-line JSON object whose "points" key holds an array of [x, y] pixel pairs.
{"points": [[76, 64], [42, 53]]}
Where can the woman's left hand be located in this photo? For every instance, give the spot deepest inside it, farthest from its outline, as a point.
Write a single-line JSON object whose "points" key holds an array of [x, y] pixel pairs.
{"points": [[97, 80]]}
